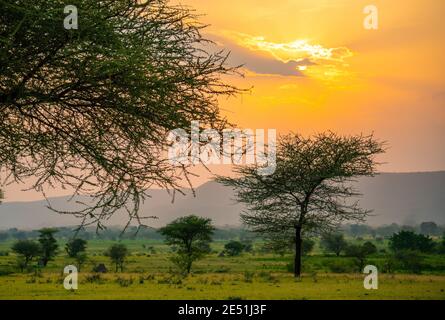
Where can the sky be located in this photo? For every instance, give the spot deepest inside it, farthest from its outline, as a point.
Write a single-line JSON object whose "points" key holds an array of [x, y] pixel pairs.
{"points": [[312, 66]]}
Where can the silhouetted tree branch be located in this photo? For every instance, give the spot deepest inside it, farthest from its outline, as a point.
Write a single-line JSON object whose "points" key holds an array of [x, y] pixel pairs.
{"points": [[89, 109]]}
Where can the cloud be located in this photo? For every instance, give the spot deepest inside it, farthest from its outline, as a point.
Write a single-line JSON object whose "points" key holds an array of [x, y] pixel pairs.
{"points": [[298, 58], [258, 61]]}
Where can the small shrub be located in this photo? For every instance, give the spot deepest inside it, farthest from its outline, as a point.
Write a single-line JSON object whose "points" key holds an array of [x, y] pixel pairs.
{"points": [[100, 268]]}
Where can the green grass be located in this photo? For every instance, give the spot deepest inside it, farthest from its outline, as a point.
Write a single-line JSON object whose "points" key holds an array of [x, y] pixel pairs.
{"points": [[250, 276], [224, 286]]}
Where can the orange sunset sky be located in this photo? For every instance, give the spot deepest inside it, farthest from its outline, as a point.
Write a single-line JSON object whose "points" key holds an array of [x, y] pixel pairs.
{"points": [[314, 67]]}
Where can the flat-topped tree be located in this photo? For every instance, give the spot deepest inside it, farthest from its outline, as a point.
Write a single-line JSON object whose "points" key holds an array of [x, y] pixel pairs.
{"points": [[192, 235], [310, 188], [89, 109]]}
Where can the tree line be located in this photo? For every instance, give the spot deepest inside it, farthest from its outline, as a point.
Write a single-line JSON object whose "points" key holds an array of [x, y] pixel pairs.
{"points": [[190, 238], [220, 233]]}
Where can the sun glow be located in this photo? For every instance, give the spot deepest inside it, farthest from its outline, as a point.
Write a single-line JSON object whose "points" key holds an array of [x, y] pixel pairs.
{"points": [[313, 60]]}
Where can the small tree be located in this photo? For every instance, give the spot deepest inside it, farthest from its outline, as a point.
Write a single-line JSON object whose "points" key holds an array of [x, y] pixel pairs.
{"points": [[360, 254], [27, 250], [48, 244], [75, 246], [334, 242], [117, 254], [310, 188], [81, 257], [409, 240], [233, 248], [189, 234]]}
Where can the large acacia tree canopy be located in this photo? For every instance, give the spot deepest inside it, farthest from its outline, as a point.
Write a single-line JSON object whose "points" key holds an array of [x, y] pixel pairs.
{"points": [[311, 188], [90, 108]]}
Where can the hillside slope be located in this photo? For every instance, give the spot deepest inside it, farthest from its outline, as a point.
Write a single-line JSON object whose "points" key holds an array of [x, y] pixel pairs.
{"points": [[405, 198]]}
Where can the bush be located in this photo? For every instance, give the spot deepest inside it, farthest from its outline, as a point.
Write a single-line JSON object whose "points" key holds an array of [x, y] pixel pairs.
{"points": [[410, 260], [234, 248], [408, 240], [100, 268], [389, 264]]}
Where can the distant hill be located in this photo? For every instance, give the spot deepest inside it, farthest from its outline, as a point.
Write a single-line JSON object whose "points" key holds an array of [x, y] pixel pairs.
{"points": [[405, 198]]}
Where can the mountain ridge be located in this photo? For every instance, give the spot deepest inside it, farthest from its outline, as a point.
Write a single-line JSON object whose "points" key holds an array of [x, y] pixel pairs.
{"points": [[405, 198]]}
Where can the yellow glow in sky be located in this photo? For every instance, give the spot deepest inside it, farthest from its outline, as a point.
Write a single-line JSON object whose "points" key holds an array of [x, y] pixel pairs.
{"points": [[313, 67]]}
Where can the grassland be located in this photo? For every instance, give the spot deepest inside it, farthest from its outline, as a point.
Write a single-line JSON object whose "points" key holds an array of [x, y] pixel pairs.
{"points": [[149, 275]]}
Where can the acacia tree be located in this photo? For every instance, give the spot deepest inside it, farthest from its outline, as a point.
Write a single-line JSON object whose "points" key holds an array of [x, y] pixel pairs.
{"points": [[192, 235], [310, 188], [27, 249], [118, 253], [89, 109], [334, 242], [48, 244], [75, 246]]}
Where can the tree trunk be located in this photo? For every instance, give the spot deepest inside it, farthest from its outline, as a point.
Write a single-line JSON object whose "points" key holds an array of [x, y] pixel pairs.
{"points": [[297, 262]]}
